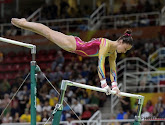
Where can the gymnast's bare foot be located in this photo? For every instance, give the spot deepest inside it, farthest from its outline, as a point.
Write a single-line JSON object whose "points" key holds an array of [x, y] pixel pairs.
{"points": [[18, 22]]}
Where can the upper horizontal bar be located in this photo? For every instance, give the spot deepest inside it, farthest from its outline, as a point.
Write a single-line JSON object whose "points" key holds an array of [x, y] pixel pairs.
{"points": [[101, 89], [17, 43]]}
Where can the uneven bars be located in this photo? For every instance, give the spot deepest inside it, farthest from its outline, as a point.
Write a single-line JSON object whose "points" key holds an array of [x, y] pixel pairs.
{"points": [[70, 83], [17, 43]]}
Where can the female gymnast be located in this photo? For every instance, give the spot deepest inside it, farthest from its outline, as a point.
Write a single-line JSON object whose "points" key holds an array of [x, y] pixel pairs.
{"points": [[100, 47]]}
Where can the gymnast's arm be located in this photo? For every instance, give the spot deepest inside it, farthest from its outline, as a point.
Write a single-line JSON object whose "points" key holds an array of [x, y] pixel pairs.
{"points": [[113, 74], [101, 62], [101, 67], [112, 62]]}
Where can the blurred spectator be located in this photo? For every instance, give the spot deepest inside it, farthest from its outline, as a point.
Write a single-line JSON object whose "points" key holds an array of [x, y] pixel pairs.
{"points": [[125, 117], [149, 106], [69, 94], [39, 108], [44, 116], [11, 32], [43, 97], [89, 92], [59, 61], [102, 98], [1, 56], [140, 7], [26, 116], [41, 77], [92, 72], [23, 92], [16, 117], [14, 106], [80, 79], [162, 113], [4, 102], [145, 114], [23, 103], [123, 8], [13, 91], [85, 71], [47, 107], [77, 107], [63, 5], [125, 103], [130, 114], [57, 76], [53, 91], [159, 104], [85, 99], [44, 89], [135, 107], [144, 79], [66, 107], [38, 117], [94, 98], [37, 101], [50, 75], [121, 114], [158, 4], [148, 6], [67, 73], [49, 11], [144, 20], [86, 113], [113, 117], [7, 118], [53, 99], [5, 86], [66, 111]]}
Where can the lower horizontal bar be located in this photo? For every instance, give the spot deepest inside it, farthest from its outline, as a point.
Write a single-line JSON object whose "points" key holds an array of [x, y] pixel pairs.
{"points": [[70, 83]]}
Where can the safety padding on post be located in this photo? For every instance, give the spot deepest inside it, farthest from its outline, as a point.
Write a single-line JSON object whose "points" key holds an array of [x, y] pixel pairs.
{"points": [[57, 117], [136, 123]]}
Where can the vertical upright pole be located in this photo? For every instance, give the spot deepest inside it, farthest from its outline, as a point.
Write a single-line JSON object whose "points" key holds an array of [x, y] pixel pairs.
{"points": [[33, 93], [33, 86], [140, 105], [58, 109]]}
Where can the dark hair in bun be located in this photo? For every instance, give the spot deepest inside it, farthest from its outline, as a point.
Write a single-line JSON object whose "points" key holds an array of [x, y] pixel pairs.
{"points": [[127, 38]]}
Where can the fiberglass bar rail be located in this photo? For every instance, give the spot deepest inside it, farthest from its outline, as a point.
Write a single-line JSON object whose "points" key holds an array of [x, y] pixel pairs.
{"points": [[70, 83], [17, 43]]}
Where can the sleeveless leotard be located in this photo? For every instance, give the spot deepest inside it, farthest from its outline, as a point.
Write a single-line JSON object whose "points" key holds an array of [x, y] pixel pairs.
{"points": [[90, 48]]}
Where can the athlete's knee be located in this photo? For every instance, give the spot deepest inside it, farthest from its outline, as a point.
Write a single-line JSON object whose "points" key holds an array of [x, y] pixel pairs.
{"points": [[71, 42]]}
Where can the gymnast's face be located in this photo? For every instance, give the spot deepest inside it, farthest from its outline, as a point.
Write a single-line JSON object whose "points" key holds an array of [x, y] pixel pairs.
{"points": [[123, 47]]}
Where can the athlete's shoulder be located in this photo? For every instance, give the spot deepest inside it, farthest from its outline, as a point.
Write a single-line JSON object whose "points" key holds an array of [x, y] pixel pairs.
{"points": [[105, 39]]}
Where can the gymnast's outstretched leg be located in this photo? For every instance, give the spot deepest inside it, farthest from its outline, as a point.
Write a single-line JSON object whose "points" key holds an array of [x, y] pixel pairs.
{"points": [[66, 42]]}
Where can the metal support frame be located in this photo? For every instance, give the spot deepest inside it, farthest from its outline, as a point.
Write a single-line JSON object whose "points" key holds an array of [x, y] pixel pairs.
{"points": [[58, 108], [32, 74]]}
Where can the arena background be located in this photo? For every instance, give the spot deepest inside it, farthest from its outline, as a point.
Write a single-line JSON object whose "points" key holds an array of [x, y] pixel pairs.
{"points": [[141, 70]]}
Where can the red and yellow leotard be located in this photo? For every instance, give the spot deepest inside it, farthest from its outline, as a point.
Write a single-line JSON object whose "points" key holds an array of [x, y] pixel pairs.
{"points": [[98, 47], [90, 48]]}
